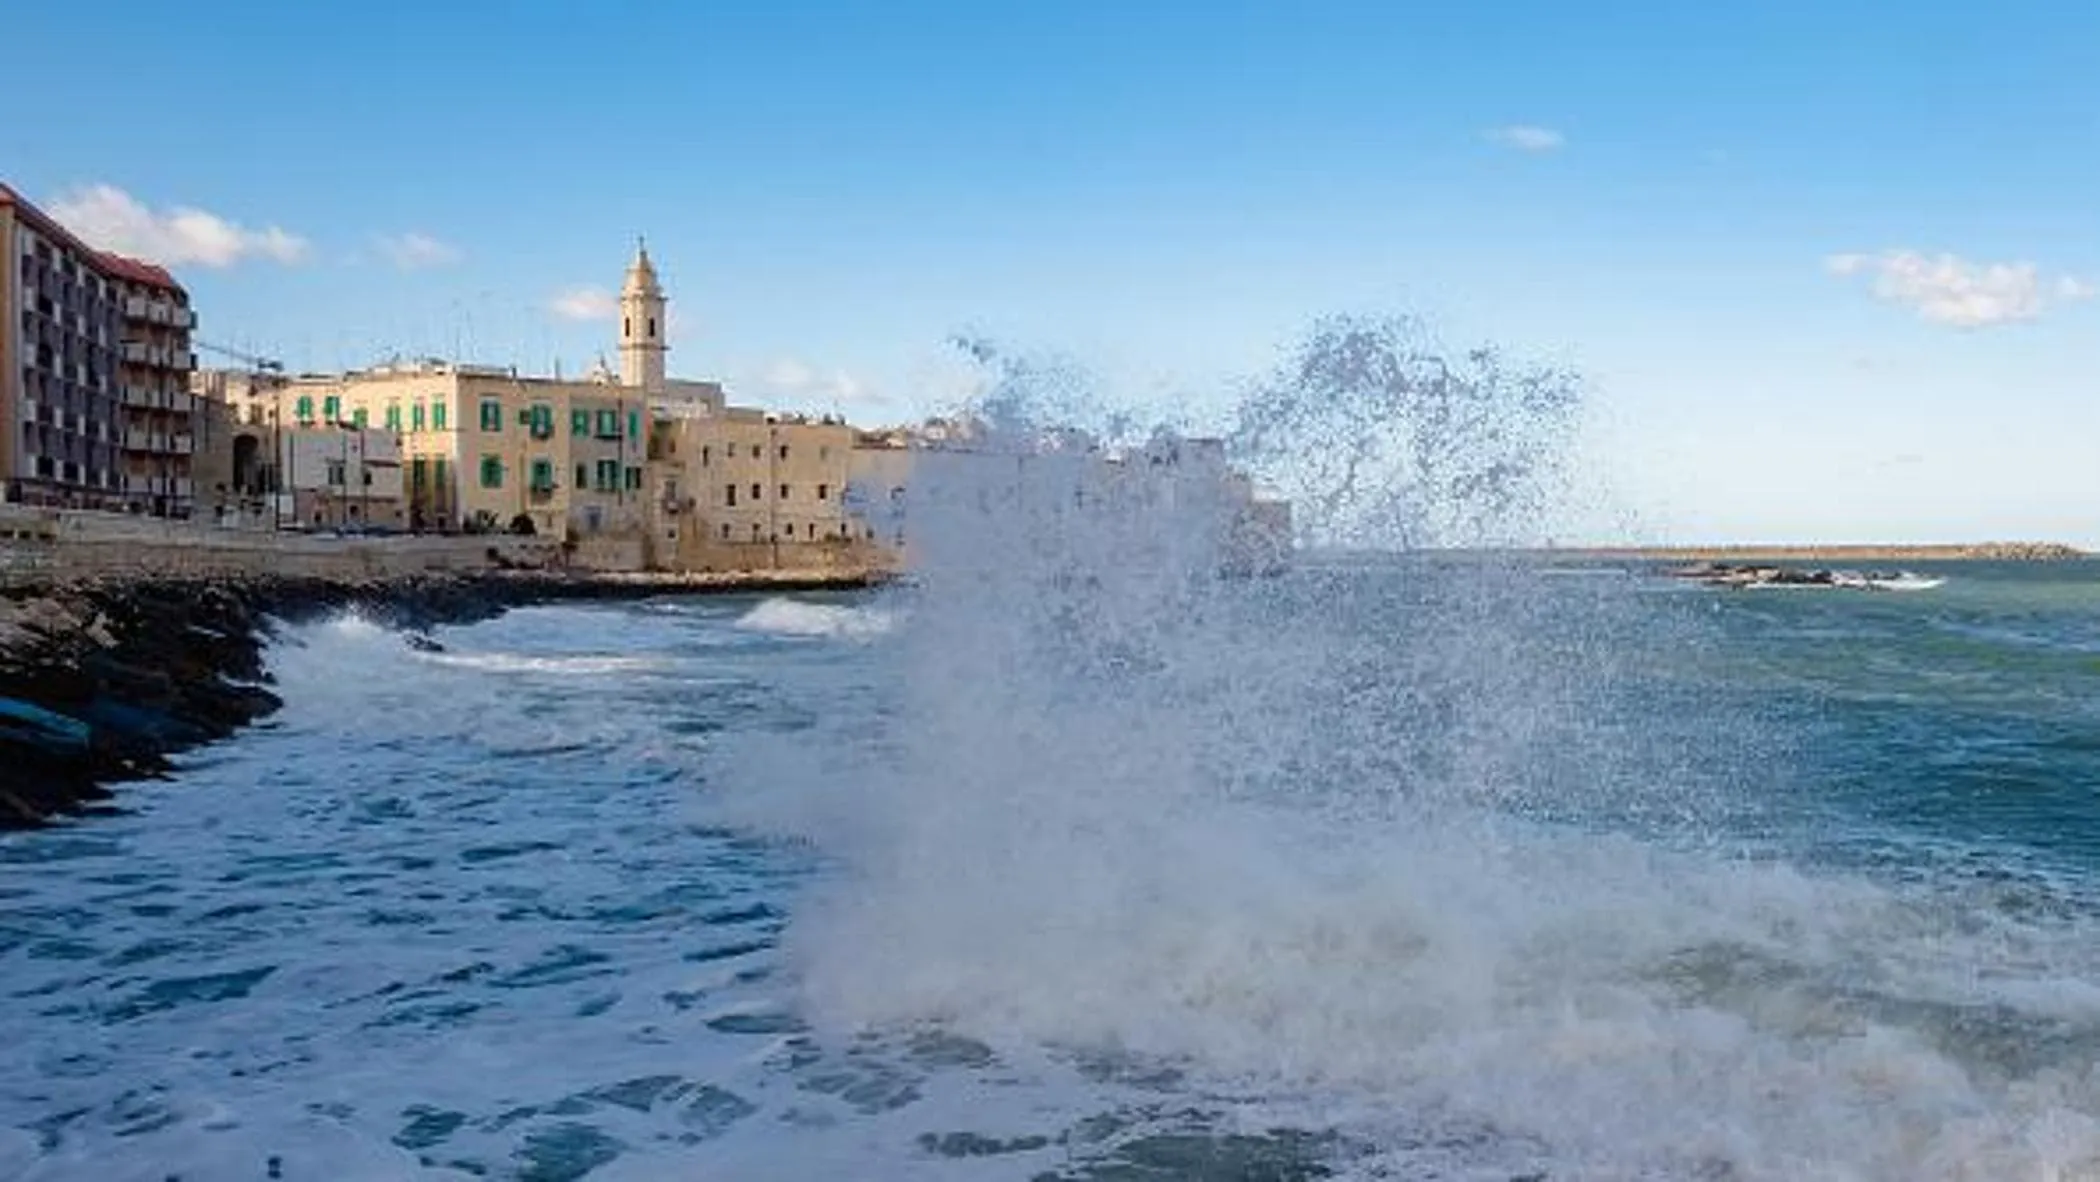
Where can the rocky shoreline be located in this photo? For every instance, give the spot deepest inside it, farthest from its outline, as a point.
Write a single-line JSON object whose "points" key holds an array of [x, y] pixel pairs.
{"points": [[100, 681]]}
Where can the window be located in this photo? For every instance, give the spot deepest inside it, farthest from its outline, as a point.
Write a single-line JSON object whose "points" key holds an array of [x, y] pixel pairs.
{"points": [[491, 415], [335, 473], [757, 493], [706, 454], [305, 409], [823, 492], [626, 327], [418, 473], [541, 420], [393, 416], [357, 418], [634, 424], [729, 497], [583, 476], [332, 409], [608, 424], [542, 475], [783, 492], [754, 531], [579, 422], [415, 413], [634, 479], [608, 476], [725, 531], [783, 451], [437, 416], [652, 328], [491, 472], [824, 453]]}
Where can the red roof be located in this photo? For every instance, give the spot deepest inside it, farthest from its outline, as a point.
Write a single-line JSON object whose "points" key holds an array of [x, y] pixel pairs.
{"points": [[113, 265]]}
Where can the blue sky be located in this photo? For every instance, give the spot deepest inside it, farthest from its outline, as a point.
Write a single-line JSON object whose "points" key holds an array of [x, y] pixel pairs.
{"points": [[1827, 267]]}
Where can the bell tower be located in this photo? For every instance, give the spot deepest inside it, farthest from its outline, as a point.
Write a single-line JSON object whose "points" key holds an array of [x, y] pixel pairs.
{"points": [[642, 325]]}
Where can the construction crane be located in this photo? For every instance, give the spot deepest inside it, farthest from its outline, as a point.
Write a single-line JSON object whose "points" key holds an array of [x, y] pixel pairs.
{"points": [[258, 364]]}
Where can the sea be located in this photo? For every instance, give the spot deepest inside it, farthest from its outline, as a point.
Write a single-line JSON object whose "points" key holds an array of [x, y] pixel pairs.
{"points": [[1384, 867]]}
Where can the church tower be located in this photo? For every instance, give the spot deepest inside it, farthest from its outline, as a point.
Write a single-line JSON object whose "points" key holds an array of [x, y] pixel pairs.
{"points": [[642, 325]]}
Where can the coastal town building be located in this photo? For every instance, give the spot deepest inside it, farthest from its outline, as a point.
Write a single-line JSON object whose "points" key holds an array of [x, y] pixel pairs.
{"points": [[738, 488], [632, 469], [94, 351], [340, 477]]}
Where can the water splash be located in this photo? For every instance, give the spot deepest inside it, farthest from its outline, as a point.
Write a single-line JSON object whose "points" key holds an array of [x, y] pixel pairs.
{"points": [[1417, 838]]}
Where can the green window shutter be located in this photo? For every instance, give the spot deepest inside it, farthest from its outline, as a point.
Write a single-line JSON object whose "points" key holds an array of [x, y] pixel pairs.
{"points": [[543, 475], [634, 424], [583, 476], [491, 415], [393, 417], [358, 417], [579, 422], [332, 409], [491, 472], [305, 409], [415, 414], [437, 416], [634, 478]]}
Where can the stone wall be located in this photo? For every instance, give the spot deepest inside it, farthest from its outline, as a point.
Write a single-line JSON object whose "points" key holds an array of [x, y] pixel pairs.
{"points": [[46, 546]]}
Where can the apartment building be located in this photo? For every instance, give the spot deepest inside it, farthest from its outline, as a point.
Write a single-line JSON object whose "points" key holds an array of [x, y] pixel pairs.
{"points": [[154, 362], [94, 409]]}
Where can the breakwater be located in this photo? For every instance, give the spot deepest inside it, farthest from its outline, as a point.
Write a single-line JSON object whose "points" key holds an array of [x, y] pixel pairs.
{"points": [[102, 679], [1864, 552]]}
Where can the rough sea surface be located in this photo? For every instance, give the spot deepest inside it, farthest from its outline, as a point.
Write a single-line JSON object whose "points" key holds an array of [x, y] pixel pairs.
{"points": [[1381, 869]]}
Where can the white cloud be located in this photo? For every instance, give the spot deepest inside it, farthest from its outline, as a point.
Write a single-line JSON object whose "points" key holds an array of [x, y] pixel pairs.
{"points": [[791, 380], [1526, 138], [111, 219], [414, 252], [1945, 289], [585, 303], [2070, 287]]}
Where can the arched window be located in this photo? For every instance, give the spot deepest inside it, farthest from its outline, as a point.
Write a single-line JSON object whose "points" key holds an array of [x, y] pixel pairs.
{"points": [[652, 328], [626, 326]]}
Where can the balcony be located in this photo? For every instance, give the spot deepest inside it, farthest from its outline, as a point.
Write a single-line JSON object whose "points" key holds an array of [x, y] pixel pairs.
{"points": [[136, 352], [182, 402], [179, 360], [139, 440], [181, 445], [137, 307], [183, 318], [183, 487], [159, 312], [141, 396]]}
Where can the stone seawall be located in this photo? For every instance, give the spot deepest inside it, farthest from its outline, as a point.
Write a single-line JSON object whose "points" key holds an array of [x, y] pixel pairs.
{"points": [[53, 547], [102, 678]]}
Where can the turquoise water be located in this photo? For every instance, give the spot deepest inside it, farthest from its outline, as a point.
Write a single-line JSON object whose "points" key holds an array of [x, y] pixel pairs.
{"points": [[1362, 873]]}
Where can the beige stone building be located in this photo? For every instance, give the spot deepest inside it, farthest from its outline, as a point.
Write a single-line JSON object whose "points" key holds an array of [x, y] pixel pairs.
{"points": [[737, 488], [94, 352]]}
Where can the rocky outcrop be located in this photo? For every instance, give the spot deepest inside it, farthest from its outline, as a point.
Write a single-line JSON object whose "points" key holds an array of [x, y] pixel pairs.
{"points": [[101, 680]]}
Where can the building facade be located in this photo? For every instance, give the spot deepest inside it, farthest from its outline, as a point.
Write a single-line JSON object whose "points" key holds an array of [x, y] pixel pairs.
{"points": [[738, 488], [94, 349], [342, 477]]}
